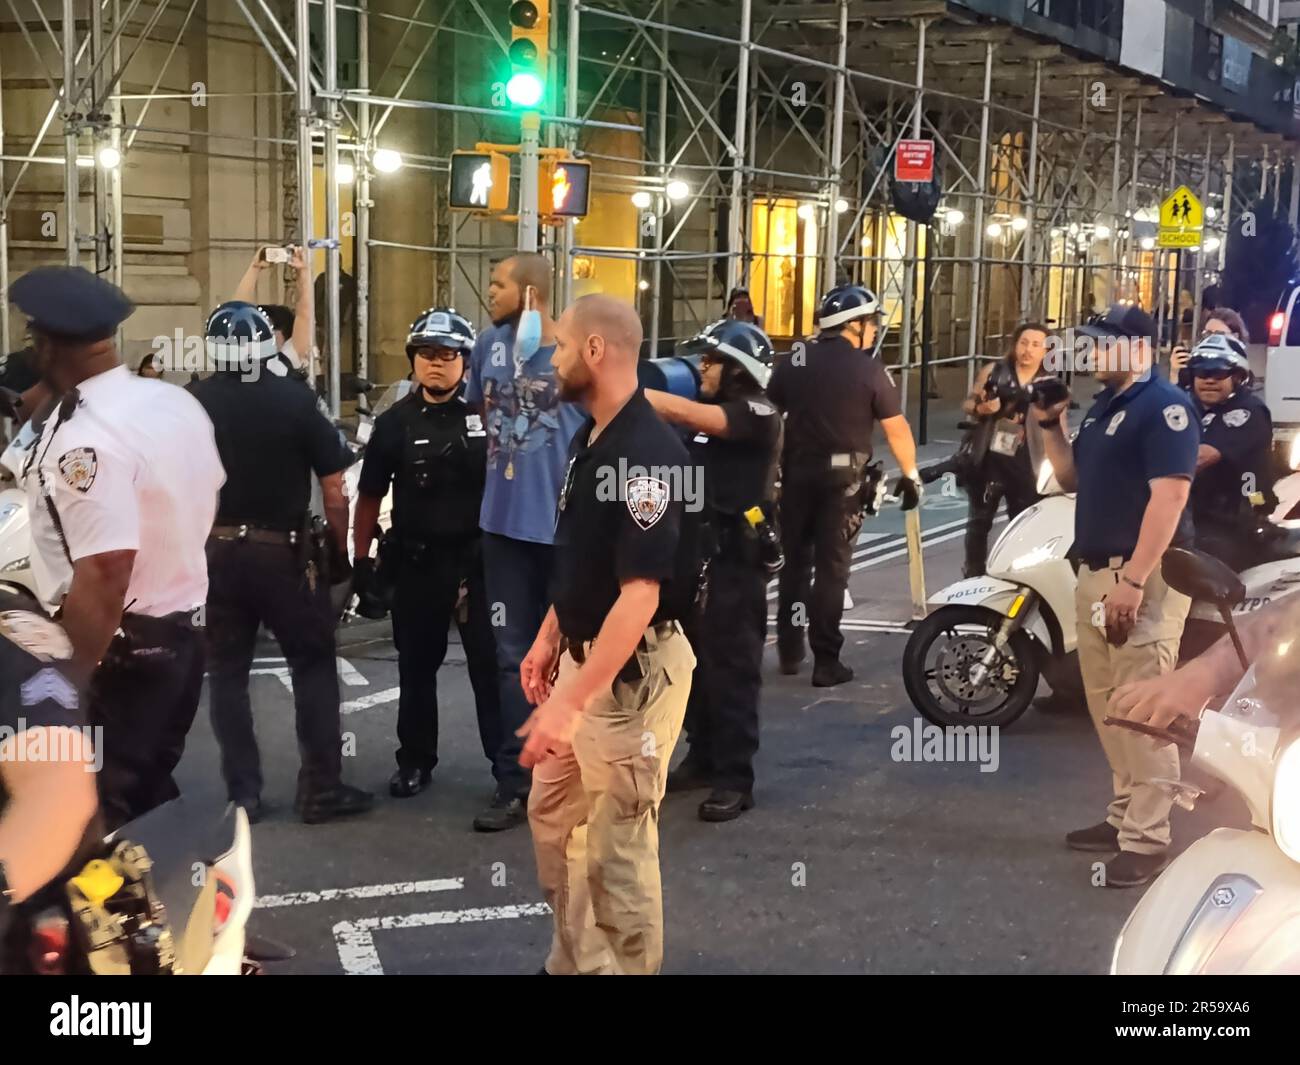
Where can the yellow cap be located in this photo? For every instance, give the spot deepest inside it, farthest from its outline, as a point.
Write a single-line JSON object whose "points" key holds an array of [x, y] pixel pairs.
{"points": [[98, 882], [754, 515]]}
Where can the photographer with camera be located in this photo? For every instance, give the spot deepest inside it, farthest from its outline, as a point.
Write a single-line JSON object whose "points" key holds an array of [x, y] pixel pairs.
{"points": [[295, 329], [1004, 450]]}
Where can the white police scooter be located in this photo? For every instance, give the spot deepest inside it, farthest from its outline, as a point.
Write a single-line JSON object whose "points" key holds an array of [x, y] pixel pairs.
{"points": [[16, 574], [1230, 902], [977, 657]]}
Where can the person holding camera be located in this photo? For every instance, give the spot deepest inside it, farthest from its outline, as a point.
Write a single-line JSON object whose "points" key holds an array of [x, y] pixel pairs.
{"points": [[1007, 465], [1219, 321], [294, 329], [737, 444], [1131, 465]]}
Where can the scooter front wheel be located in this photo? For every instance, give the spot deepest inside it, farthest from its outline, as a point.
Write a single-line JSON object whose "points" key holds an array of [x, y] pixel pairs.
{"points": [[940, 674]]}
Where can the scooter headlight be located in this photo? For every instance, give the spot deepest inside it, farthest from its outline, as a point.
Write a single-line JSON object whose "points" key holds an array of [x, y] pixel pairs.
{"points": [[1038, 555], [1286, 801], [17, 564], [1293, 454], [7, 511]]}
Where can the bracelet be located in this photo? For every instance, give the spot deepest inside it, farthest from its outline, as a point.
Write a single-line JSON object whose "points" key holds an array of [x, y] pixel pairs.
{"points": [[1050, 423], [1131, 582]]}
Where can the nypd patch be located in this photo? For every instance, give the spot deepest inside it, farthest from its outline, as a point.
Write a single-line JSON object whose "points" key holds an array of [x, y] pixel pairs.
{"points": [[647, 500], [1176, 417], [49, 684], [1116, 422], [1235, 419], [474, 425], [78, 468], [760, 408], [38, 636]]}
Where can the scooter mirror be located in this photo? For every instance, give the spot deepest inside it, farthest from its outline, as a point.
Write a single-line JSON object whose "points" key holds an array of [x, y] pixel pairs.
{"points": [[1202, 577]]}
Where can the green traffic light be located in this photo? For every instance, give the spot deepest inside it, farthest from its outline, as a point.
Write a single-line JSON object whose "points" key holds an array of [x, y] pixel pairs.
{"points": [[524, 90]]}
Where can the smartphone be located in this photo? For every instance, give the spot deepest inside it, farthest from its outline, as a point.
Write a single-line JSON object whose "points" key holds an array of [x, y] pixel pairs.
{"points": [[277, 255]]}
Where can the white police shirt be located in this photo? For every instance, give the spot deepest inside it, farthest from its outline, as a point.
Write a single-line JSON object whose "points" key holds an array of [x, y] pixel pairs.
{"points": [[133, 468]]}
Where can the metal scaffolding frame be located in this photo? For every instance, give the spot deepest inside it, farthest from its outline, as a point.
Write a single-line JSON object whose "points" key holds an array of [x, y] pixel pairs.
{"points": [[1052, 160]]}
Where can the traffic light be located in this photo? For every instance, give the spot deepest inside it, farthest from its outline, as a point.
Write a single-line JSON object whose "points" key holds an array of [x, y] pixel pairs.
{"points": [[530, 28], [564, 188], [480, 181]]}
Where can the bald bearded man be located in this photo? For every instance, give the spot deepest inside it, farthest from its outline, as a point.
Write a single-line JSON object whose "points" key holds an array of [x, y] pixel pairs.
{"points": [[610, 670]]}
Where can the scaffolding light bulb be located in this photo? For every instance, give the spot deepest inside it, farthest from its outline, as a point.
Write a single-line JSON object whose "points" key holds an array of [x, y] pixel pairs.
{"points": [[841, 206], [1211, 212], [805, 211], [1213, 244], [995, 230], [641, 199], [1148, 243], [109, 157], [1102, 232], [1019, 223], [387, 160], [524, 89], [954, 217], [643, 284], [677, 190]]}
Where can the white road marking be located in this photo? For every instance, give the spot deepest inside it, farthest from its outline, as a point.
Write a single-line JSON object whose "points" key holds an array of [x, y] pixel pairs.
{"points": [[367, 891], [348, 673], [356, 942], [388, 695], [281, 673]]}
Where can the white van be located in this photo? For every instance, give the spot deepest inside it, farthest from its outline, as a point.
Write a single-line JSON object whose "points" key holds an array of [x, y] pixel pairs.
{"points": [[1282, 377]]}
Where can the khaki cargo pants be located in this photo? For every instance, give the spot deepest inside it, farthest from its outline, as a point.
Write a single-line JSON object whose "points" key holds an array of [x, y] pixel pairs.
{"points": [[1140, 810], [594, 814]]}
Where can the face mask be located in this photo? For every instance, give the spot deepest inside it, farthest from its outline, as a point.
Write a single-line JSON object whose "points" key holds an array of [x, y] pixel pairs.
{"points": [[528, 336]]}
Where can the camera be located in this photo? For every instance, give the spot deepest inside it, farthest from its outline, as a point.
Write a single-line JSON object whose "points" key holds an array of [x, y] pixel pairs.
{"points": [[277, 255], [1004, 385]]}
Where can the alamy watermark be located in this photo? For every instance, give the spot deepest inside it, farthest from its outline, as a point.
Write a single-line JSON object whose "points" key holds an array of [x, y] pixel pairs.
{"points": [[1072, 352], [181, 353], [681, 483], [924, 742], [53, 745]]}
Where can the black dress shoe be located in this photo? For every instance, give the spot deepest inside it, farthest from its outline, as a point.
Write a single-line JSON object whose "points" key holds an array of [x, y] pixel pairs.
{"points": [[691, 775], [829, 674], [724, 805], [1129, 869], [1102, 839], [407, 782], [790, 659], [341, 801], [505, 811]]}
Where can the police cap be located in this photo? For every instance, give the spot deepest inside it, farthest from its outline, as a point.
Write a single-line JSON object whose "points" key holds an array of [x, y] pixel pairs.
{"points": [[70, 303], [1121, 320]]}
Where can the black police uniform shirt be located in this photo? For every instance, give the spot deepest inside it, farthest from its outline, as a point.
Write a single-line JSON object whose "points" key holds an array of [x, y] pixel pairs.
{"points": [[1241, 430], [832, 395], [739, 469], [1127, 440], [435, 457], [271, 438], [622, 516]]}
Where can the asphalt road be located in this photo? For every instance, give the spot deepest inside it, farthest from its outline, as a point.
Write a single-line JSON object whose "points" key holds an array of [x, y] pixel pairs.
{"points": [[851, 861]]}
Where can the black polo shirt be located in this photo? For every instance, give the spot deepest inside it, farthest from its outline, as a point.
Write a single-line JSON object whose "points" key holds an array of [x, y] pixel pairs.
{"points": [[271, 438], [832, 395], [740, 468], [623, 516], [1241, 430]]}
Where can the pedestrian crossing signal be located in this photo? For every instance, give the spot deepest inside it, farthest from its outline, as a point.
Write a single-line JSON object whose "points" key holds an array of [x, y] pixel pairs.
{"points": [[564, 188], [480, 181]]}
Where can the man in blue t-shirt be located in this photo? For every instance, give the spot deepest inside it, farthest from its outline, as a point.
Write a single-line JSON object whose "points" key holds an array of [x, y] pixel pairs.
{"points": [[512, 382], [1132, 465]]}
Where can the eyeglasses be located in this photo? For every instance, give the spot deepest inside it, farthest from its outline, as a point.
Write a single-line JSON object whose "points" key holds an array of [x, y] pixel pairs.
{"points": [[1212, 375], [438, 354]]}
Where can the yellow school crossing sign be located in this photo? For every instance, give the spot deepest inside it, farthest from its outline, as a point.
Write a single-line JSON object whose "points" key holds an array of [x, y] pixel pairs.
{"points": [[1181, 220]]}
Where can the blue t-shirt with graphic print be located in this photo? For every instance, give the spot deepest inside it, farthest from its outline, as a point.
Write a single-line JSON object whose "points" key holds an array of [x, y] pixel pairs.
{"points": [[528, 433]]}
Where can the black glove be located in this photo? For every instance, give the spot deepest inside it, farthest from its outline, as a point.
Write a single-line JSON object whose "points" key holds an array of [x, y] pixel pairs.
{"points": [[908, 491], [363, 573]]}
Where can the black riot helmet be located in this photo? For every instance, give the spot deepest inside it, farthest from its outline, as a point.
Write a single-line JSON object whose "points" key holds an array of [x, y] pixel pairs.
{"points": [[440, 327], [238, 333], [742, 343], [844, 304]]}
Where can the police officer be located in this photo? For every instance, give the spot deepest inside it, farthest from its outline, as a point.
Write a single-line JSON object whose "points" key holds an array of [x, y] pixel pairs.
{"points": [[48, 822], [1233, 466], [832, 391], [1131, 464], [121, 489], [263, 565], [604, 728], [431, 447], [736, 447]]}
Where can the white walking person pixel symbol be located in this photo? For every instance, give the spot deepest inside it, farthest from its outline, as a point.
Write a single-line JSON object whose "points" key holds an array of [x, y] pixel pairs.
{"points": [[482, 182]]}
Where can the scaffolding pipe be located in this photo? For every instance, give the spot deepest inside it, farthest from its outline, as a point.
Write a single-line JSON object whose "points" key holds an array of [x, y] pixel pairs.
{"points": [[565, 265], [1201, 255], [333, 251], [977, 237], [361, 197], [909, 259], [829, 272], [4, 238], [1031, 196], [306, 206], [735, 219], [115, 141], [657, 206], [71, 179], [99, 187], [1231, 166]]}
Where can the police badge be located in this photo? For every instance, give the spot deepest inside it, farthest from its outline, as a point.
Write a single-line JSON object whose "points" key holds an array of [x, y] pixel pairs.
{"points": [[647, 499], [1176, 417], [38, 636], [78, 468], [1235, 419]]}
